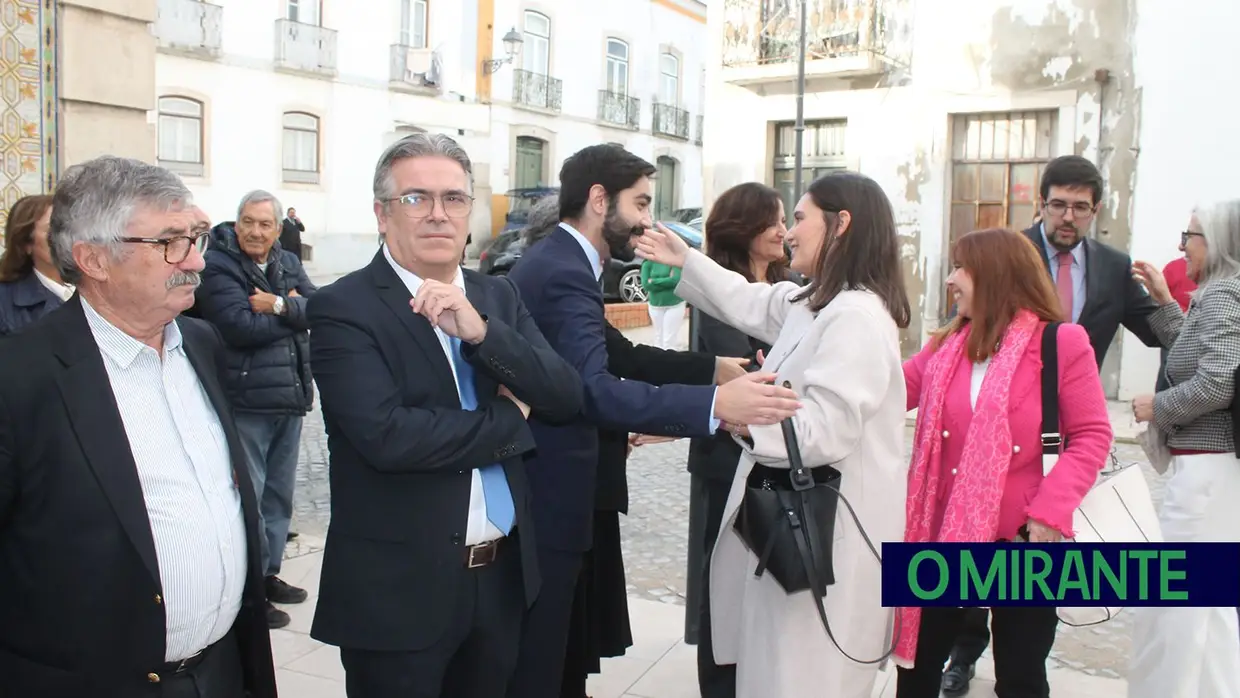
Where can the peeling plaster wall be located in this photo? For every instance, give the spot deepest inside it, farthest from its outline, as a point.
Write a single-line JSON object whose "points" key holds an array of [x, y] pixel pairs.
{"points": [[1185, 56], [983, 56]]}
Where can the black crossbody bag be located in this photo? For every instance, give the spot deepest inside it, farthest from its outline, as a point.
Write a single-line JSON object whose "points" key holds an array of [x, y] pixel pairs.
{"points": [[787, 519]]}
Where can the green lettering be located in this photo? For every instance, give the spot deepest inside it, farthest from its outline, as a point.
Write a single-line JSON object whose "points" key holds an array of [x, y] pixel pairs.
{"points": [[1166, 574], [1102, 568], [1073, 576], [916, 587], [1038, 577], [1143, 558], [971, 577]]}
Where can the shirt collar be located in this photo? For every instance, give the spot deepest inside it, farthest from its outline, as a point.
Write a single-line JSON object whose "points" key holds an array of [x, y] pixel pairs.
{"points": [[596, 262], [1078, 252], [412, 281], [121, 347], [62, 291]]}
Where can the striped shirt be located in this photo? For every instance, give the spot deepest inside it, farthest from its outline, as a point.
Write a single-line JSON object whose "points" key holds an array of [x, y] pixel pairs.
{"points": [[185, 471]]}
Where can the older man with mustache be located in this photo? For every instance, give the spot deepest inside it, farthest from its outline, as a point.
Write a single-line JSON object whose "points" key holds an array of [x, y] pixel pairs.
{"points": [[128, 524]]}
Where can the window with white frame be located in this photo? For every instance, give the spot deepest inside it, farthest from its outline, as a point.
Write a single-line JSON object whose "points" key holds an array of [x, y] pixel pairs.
{"points": [[669, 79], [413, 23], [536, 51], [181, 135], [617, 67], [303, 11], [301, 147]]}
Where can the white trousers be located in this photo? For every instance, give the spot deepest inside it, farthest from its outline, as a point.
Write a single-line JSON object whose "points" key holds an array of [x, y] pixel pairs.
{"points": [[667, 321], [1192, 652]]}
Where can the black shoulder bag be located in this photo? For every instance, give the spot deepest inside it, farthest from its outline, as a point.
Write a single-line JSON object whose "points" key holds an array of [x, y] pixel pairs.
{"points": [[787, 519]]}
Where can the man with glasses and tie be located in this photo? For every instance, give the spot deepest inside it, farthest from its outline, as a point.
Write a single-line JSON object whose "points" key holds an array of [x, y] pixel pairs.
{"points": [[255, 292], [427, 373], [1096, 290]]}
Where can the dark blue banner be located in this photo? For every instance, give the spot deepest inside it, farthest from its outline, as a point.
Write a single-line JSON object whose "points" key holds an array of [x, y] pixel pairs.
{"points": [[1061, 574]]}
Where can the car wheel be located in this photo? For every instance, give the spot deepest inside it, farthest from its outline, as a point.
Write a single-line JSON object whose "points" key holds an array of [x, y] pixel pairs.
{"points": [[631, 290]]}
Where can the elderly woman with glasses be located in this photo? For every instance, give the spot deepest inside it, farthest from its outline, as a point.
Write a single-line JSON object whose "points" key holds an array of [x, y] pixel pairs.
{"points": [[1195, 652]]}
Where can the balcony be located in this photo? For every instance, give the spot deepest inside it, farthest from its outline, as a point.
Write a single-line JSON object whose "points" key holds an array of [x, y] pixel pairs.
{"points": [[305, 48], [413, 69], [190, 28], [844, 39], [536, 91], [619, 110], [701, 127], [670, 121]]}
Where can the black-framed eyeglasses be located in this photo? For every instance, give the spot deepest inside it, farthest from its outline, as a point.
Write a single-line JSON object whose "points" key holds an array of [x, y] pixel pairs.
{"points": [[421, 204], [176, 248], [1184, 236], [1079, 208]]}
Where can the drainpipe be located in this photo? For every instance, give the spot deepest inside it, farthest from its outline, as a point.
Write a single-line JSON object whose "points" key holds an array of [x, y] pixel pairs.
{"points": [[1101, 76], [800, 124]]}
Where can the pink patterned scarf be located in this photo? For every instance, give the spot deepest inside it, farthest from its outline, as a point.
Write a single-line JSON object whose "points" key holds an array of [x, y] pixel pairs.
{"points": [[972, 512]]}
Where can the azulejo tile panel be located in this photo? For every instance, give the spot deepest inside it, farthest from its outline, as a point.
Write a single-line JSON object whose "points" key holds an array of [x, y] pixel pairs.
{"points": [[28, 111]]}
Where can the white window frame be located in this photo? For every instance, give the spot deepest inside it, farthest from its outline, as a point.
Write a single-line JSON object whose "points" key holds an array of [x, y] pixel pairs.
{"points": [[412, 14], [303, 11], [669, 79], [536, 53], [301, 129], [617, 66], [178, 116]]}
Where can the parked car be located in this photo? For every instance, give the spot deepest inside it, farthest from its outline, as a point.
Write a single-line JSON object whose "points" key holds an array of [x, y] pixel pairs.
{"points": [[520, 201], [621, 280], [684, 215]]}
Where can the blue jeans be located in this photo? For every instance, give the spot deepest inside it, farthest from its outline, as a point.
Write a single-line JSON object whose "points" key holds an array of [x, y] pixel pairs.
{"points": [[272, 444]]}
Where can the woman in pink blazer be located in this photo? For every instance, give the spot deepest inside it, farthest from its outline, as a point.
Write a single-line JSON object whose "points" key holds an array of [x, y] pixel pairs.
{"points": [[976, 471]]}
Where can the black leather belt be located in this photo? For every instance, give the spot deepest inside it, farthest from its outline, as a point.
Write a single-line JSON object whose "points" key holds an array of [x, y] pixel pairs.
{"points": [[483, 554], [171, 669]]}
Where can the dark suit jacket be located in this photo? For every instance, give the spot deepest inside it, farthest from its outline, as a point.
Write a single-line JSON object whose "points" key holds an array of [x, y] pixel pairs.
{"points": [[290, 236], [1112, 296], [715, 457], [24, 302], [402, 450], [564, 297], [80, 595], [639, 362]]}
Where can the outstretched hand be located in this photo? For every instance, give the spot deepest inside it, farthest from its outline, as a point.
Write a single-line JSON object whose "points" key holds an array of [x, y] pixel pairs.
{"points": [[1152, 279], [663, 246], [752, 399]]}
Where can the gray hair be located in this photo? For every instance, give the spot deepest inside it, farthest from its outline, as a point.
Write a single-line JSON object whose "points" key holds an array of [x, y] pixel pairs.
{"points": [[1220, 225], [95, 202], [417, 145], [544, 216], [258, 196]]}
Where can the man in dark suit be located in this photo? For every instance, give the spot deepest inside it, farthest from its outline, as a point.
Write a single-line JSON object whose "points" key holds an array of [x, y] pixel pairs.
{"points": [[1096, 290], [121, 470], [290, 233], [427, 374], [605, 199]]}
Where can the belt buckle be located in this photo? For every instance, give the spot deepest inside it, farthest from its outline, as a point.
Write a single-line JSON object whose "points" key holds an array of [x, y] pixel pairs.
{"points": [[481, 555]]}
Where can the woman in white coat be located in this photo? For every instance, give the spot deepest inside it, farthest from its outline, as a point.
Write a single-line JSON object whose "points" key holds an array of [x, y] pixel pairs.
{"points": [[837, 343]]}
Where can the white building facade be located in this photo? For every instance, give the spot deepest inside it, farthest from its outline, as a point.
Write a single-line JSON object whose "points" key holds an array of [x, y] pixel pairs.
{"points": [[621, 71], [299, 97], [955, 114]]}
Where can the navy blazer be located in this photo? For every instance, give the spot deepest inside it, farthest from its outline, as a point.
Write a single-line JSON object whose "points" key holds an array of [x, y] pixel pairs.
{"points": [[24, 302], [563, 296]]}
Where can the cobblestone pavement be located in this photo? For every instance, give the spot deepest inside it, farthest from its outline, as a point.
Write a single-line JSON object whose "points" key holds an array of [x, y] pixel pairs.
{"points": [[655, 537]]}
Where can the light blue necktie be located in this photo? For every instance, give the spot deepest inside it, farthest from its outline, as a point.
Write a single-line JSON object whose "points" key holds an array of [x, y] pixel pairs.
{"points": [[494, 483]]}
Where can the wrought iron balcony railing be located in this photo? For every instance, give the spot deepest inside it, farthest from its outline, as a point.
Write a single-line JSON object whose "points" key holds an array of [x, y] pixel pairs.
{"points": [[758, 32], [412, 67], [537, 90], [619, 109], [190, 27], [670, 121], [306, 48], [701, 126]]}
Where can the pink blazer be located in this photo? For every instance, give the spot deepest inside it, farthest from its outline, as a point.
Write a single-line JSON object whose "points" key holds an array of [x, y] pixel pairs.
{"points": [[1084, 423]]}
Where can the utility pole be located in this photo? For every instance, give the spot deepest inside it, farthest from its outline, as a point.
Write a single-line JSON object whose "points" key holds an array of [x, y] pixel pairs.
{"points": [[800, 125]]}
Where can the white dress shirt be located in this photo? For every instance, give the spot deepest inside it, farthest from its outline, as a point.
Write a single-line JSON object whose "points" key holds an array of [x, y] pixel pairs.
{"points": [[479, 528], [596, 264], [62, 291], [186, 474]]}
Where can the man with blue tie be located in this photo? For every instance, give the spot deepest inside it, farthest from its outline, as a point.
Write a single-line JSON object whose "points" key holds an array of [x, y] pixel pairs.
{"points": [[427, 373], [605, 200]]}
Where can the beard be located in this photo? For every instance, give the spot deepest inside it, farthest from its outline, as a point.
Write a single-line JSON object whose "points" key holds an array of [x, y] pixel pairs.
{"points": [[1053, 237], [618, 234]]}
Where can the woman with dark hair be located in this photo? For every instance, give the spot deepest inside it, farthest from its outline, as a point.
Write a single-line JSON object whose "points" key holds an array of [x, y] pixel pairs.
{"points": [[976, 474], [30, 284], [836, 343], [744, 234]]}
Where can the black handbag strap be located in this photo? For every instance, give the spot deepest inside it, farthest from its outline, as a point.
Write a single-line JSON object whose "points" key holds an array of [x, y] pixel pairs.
{"points": [[1051, 437], [801, 534]]}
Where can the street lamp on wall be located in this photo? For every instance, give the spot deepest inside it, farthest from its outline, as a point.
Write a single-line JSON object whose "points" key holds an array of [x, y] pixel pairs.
{"points": [[512, 42]]}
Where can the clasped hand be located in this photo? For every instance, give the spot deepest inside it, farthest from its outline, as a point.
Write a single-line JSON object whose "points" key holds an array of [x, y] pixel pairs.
{"points": [[446, 307], [662, 246]]}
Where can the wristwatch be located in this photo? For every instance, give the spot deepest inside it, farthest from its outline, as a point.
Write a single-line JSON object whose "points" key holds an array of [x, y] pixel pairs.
{"points": [[278, 306]]}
